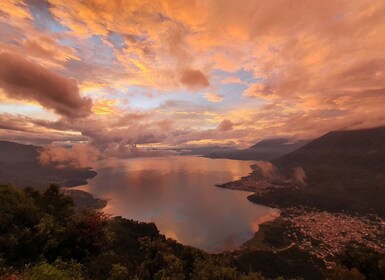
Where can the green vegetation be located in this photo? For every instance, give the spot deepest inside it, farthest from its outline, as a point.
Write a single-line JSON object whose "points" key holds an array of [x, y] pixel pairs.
{"points": [[43, 237], [270, 237], [367, 261]]}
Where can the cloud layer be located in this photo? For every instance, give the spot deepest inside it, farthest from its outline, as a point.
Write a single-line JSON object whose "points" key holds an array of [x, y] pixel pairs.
{"points": [[160, 74]]}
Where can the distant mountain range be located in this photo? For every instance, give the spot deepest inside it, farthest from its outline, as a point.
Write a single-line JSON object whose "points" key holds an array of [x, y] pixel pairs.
{"points": [[264, 150], [345, 170]]}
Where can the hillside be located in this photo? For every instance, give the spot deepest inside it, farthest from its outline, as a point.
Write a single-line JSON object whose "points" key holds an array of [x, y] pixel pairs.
{"points": [[42, 236], [267, 149], [20, 166], [15, 152], [362, 148], [345, 171]]}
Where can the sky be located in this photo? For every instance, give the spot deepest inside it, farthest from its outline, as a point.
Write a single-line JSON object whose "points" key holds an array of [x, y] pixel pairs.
{"points": [[125, 76]]}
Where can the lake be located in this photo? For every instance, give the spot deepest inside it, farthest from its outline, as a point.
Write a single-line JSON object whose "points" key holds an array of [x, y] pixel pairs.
{"points": [[178, 193]]}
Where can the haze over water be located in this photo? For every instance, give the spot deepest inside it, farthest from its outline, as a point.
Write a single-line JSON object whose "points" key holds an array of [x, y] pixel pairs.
{"points": [[178, 193]]}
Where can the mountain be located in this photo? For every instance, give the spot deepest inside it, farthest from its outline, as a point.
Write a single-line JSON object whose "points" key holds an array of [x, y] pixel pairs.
{"points": [[355, 154], [15, 152], [205, 150], [352, 145], [345, 170], [19, 165], [267, 149]]}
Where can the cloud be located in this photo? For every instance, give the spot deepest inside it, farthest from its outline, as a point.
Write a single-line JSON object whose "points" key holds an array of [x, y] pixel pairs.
{"points": [[214, 97], [25, 80], [48, 50], [259, 90], [299, 176], [232, 80], [76, 156], [194, 79], [225, 125], [105, 106], [8, 122], [14, 9], [31, 131], [266, 169], [132, 151], [308, 69]]}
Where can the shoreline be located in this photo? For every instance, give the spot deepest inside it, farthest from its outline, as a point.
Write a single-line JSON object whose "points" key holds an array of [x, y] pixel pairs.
{"points": [[324, 234], [283, 232], [83, 199]]}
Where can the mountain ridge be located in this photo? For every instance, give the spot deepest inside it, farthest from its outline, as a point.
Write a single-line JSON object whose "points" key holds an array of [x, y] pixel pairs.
{"points": [[345, 171], [266, 149]]}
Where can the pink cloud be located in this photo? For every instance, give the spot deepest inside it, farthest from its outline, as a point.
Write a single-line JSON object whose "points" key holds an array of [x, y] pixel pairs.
{"points": [[194, 79], [225, 125], [23, 79], [76, 156], [214, 97]]}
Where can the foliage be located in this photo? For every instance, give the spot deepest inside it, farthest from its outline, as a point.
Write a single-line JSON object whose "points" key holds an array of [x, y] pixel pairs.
{"points": [[342, 273], [367, 261], [42, 236], [58, 270]]}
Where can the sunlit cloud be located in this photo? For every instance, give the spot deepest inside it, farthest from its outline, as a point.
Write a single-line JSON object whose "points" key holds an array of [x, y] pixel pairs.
{"points": [[105, 107], [213, 97], [14, 9], [184, 72], [232, 80]]}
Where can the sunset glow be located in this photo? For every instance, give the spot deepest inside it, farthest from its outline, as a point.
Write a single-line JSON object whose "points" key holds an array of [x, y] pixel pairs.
{"points": [[188, 73]]}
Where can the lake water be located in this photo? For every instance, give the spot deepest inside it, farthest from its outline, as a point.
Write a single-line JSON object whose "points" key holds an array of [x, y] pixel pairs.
{"points": [[178, 193]]}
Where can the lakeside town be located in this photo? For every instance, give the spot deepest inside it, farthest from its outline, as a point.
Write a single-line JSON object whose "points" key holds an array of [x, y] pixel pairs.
{"points": [[323, 234], [260, 186]]}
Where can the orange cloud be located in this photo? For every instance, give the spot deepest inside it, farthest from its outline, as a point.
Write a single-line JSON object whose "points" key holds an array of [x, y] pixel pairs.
{"points": [[308, 68], [260, 91], [49, 50], [14, 9], [76, 156], [214, 97], [225, 125], [232, 80], [194, 79], [104, 107]]}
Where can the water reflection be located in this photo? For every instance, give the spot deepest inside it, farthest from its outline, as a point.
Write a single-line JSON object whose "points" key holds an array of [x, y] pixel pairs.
{"points": [[178, 194]]}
